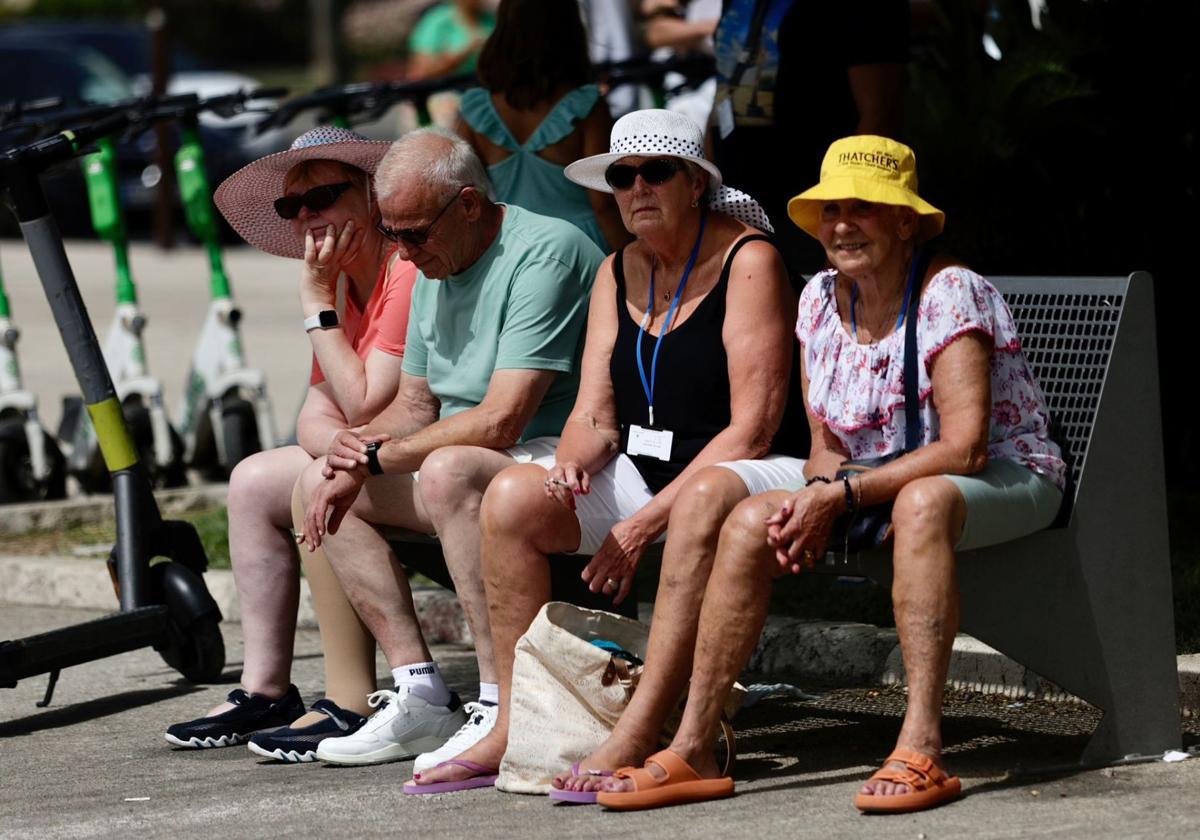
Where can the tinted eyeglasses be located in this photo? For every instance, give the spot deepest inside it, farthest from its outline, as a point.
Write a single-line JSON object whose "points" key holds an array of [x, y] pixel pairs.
{"points": [[412, 236], [318, 198], [620, 176]]}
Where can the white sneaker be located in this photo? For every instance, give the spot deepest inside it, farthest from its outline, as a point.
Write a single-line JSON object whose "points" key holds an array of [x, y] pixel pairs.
{"points": [[404, 726], [480, 720]]}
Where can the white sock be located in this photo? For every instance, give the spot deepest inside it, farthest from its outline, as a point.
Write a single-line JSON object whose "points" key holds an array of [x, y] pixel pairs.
{"points": [[489, 694], [423, 679]]}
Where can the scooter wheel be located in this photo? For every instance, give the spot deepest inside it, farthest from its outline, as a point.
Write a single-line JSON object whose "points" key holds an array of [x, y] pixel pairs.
{"points": [[240, 427], [194, 646], [17, 483]]}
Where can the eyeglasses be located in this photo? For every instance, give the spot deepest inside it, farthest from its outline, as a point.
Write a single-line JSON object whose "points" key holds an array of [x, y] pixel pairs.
{"points": [[620, 176], [411, 236], [318, 198]]}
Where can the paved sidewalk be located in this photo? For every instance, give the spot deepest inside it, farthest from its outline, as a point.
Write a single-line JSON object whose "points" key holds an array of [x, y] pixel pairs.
{"points": [[95, 765]]}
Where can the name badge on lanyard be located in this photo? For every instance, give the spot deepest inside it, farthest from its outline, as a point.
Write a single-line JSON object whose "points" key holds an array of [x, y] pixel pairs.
{"points": [[649, 440], [653, 442]]}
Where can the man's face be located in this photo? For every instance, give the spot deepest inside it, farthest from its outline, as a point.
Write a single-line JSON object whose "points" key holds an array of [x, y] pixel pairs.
{"points": [[429, 227]]}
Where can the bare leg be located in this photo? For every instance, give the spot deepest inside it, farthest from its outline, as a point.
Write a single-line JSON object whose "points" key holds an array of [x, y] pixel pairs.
{"points": [[701, 507], [347, 644], [517, 579], [369, 572], [453, 480], [265, 569], [928, 518], [731, 619]]}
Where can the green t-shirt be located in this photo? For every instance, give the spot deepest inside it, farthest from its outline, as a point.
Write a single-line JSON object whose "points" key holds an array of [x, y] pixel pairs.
{"points": [[522, 305], [441, 30]]}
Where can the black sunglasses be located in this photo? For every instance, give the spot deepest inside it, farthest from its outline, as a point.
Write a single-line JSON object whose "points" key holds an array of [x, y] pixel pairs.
{"points": [[411, 236], [318, 198], [620, 176]]}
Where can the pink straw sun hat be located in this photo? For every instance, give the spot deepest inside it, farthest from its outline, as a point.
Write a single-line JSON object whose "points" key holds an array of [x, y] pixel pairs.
{"points": [[246, 198]]}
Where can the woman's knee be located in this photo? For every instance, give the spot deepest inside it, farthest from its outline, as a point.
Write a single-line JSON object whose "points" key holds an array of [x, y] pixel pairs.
{"points": [[262, 483], [705, 501], [514, 502], [743, 542], [931, 507]]}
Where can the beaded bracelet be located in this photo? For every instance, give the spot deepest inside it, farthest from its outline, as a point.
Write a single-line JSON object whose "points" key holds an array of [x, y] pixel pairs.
{"points": [[815, 479]]}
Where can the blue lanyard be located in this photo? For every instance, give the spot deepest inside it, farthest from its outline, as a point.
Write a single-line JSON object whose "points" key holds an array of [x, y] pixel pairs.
{"points": [[648, 385], [908, 290]]}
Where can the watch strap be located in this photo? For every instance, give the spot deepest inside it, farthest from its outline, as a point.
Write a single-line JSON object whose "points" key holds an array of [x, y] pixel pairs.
{"points": [[326, 319], [373, 465]]}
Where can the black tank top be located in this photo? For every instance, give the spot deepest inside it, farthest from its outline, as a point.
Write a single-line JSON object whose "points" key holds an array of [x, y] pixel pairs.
{"points": [[691, 391]]}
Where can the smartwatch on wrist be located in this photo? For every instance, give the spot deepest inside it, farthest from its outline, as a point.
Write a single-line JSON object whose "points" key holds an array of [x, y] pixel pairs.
{"points": [[373, 465], [326, 319]]}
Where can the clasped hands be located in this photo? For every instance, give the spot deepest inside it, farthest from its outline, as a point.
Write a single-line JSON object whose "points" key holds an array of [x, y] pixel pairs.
{"points": [[800, 529], [345, 471]]}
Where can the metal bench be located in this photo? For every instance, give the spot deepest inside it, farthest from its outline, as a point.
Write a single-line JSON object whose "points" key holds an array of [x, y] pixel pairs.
{"points": [[1087, 604]]}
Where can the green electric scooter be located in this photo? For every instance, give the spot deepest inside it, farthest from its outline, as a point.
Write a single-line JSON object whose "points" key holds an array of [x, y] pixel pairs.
{"points": [[166, 604], [32, 468], [225, 413], [141, 395]]}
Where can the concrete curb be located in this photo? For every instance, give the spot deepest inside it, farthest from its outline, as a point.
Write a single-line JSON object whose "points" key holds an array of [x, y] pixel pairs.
{"points": [[92, 510], [822, 653]]}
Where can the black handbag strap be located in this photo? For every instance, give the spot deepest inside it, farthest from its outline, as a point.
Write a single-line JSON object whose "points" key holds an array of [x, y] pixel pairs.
{"points": [[912, 392]]}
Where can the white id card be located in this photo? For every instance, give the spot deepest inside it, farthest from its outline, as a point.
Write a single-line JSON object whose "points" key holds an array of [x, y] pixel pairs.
{"points": [[725, 123], [653, 442]]}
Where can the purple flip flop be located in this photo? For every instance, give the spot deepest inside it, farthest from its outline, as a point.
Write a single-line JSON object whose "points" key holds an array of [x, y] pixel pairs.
{"points": [[483, 777], [578, 797]]}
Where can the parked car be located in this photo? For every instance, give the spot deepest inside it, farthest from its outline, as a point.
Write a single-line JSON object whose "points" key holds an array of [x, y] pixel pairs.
{"points": [[35, 66]]}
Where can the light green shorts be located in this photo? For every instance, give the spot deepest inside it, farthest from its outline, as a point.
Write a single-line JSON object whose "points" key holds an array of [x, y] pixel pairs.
{"points": [[1004, 501]]}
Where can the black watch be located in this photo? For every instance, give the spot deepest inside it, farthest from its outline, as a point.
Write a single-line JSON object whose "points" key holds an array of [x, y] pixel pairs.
{"points": [[373, 465]]}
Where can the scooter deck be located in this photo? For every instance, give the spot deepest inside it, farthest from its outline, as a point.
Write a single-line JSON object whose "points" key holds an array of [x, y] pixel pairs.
{"points": [[47, 652]]}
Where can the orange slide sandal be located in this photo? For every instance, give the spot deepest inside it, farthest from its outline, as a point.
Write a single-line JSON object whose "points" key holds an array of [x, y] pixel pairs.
{"points": [[681, 784], [928, 785]]}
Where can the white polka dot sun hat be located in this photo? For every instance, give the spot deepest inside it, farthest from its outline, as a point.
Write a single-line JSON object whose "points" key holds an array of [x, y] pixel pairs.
{"points": [[659, 133], [247, 197]]}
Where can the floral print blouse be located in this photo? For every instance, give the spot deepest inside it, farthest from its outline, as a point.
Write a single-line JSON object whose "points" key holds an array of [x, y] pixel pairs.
{"points": [[857, 390]]}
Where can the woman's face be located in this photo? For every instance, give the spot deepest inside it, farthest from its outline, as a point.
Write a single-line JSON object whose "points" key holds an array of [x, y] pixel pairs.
{"points": [[646, 208], [862, 238], [351, 205]]}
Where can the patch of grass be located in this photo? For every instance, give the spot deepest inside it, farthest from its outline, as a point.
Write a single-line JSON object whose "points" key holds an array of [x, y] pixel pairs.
{"points": [[212, 525]]}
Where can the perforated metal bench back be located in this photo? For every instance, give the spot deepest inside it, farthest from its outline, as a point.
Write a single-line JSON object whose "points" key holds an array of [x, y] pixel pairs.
{"points": [[1068, 326]]}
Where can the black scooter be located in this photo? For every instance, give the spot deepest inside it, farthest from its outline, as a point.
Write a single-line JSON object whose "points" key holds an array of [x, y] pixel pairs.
{"points": [[165, 604]]}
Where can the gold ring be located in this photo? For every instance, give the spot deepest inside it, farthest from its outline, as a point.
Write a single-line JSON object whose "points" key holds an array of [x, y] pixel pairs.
{"points": [[610, 584], [808, 555]]}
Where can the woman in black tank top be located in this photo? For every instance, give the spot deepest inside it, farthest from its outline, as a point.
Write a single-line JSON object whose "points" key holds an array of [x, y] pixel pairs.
{"points": [[686, 365]]}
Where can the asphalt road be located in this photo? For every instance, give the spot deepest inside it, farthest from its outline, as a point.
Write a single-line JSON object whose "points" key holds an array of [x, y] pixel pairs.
{"points": [[95, 764]]}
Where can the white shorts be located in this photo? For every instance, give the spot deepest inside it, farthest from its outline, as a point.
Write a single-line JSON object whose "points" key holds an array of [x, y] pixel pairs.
{"points": [[522, 453], [619, 491]]}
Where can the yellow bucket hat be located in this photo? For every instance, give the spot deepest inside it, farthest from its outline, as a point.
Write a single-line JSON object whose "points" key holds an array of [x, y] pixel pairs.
{"points": [[870, 168]]}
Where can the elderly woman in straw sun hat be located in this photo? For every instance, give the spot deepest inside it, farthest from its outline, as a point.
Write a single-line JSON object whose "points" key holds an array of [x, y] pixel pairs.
{"points": [[313, 203], [973, 465], [686, 365]]}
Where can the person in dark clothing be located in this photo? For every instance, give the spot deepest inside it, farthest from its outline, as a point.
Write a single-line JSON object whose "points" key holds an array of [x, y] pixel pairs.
{"points": [[685, 366], [792, 78]]}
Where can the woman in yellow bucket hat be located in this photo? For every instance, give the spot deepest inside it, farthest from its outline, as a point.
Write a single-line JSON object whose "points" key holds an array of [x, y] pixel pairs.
{"points": [[968, 463]]}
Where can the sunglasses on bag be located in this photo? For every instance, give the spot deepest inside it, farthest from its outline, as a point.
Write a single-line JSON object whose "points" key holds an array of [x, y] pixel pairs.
{"points": [[318, 198], [412, 236], [620, 176]]}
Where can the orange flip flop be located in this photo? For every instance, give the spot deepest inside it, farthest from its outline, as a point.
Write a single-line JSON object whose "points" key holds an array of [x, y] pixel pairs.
{"points": [[680, 784], [928, 785]]}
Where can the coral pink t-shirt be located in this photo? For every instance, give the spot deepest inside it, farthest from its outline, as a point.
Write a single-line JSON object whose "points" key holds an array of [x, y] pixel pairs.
{"points": [[383, 323]]}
